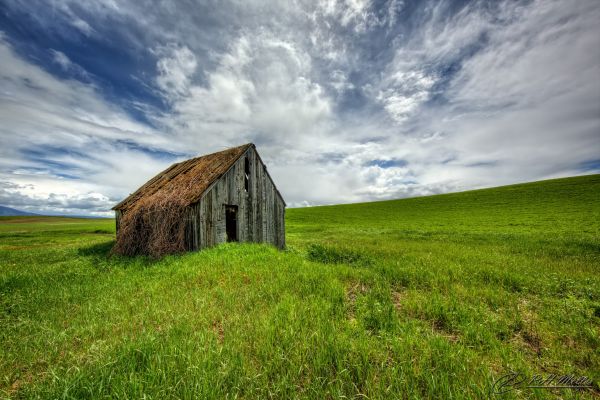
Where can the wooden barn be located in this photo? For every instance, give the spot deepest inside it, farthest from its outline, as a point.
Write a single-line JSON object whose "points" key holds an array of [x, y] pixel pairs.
{"points": [[226, 196]]}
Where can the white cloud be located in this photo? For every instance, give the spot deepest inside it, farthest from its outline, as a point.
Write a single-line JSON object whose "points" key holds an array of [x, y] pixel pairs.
{"points": [[69, 66], [61, 59], [29, 198], [529, 102], [175, 70], [357, 14], [82, 26], [39, 111], [340, 82], [405, 92], [261, 89]]}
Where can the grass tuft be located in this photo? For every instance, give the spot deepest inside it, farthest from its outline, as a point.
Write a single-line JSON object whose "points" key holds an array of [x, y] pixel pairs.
{"points": [[333, 255]]}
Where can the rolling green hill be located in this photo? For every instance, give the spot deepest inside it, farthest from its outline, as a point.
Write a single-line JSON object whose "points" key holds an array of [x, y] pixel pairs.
{"points": [[430, 297]]}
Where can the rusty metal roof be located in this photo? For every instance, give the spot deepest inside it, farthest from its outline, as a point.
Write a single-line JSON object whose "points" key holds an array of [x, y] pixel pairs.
{"points": [[188, 179]]}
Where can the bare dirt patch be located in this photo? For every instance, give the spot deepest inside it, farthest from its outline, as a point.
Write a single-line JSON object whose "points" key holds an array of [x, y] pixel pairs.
{"points": [[217, 328], [352, 291]]}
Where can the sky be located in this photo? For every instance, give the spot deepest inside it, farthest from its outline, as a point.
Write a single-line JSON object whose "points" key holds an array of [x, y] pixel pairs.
{"points": [[346, 100]]}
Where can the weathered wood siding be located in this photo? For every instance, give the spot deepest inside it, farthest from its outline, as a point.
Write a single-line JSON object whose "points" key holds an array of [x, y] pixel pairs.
{"points": [[117, 219], [261, 209]]}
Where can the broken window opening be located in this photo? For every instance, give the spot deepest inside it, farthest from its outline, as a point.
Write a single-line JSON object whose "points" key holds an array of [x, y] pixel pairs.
{"points": [[246, 174]]}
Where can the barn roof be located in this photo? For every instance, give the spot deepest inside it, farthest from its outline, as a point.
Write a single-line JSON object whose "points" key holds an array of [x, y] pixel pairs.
{"points": [[189, 179]]}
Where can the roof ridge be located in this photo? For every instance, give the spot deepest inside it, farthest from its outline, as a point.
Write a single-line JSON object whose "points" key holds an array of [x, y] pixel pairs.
{"points": [[220, 160]]}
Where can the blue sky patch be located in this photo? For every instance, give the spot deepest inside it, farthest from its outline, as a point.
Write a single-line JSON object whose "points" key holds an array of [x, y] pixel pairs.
{"points": [[393, 163]]}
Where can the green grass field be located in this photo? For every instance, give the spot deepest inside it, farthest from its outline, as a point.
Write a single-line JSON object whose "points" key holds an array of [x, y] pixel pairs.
{"points": [[432, 297]]}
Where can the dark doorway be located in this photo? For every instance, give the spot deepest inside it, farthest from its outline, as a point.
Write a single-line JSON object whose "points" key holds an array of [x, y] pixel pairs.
{"points": [[231, 223]]}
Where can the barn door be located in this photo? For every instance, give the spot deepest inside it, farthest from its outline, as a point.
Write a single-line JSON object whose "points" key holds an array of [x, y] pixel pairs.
{"points": [[231, 223]]}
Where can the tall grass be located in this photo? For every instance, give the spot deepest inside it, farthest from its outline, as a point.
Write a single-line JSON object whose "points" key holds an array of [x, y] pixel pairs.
{"points": [[433, 297]]}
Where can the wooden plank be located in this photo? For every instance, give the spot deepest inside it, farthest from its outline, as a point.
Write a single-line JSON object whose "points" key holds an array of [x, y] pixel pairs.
{"points": [[261, 210]]}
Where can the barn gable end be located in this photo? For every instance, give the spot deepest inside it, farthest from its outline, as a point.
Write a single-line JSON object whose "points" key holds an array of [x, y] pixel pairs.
{"points": [[260, 208]]}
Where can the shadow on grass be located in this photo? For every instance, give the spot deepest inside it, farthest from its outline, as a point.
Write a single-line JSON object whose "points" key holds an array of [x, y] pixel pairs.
{"points": [[97, 250], [102, 258], [103, 231]]}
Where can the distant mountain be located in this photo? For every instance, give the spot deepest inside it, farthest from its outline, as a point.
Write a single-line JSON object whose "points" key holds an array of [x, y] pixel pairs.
{"points": [[11, 212]]}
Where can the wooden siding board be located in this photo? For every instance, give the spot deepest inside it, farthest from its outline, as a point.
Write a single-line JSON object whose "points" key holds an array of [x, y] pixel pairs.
{"points": [[117, 220], [261, 210]]}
